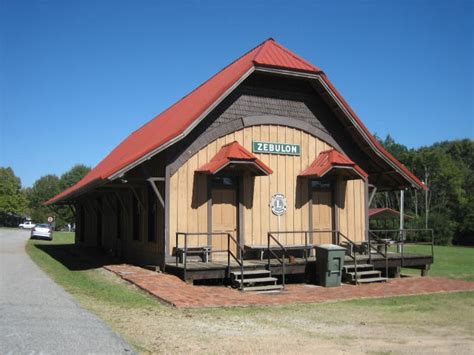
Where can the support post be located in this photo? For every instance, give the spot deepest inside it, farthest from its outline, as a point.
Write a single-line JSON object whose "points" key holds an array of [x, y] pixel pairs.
{"points": [[402, 219]]}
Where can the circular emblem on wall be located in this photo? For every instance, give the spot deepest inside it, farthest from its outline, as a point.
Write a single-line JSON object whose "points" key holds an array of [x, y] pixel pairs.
{"points": [[278, 204]]}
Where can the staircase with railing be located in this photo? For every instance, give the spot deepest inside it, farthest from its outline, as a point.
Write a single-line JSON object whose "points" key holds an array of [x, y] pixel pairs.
{"points": [[245, 279]]}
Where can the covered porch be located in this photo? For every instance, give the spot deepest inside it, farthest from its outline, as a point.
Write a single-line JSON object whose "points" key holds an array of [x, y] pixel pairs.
{"points": [[288, 261]]}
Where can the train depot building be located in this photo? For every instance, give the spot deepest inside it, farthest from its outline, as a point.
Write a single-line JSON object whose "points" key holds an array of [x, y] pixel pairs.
{"points": [[247, 174]]}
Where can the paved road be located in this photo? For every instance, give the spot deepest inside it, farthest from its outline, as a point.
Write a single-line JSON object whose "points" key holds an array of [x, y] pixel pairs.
{"points": [[39, 317]]}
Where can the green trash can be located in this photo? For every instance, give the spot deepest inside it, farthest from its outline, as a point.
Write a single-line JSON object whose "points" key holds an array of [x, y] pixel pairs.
{"points": [[329, 263]]}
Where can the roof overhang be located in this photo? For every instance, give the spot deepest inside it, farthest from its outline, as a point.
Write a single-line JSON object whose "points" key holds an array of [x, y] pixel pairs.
{"points": [[332, 162], [232, 158], [385, 214]]}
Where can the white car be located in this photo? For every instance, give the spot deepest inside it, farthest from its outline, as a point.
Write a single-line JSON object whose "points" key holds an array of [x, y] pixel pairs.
{"points": [[27, 225], [42, 231]]}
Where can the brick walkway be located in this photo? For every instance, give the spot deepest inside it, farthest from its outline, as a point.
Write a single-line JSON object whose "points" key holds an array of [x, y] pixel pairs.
{"points": [[174, 291]]}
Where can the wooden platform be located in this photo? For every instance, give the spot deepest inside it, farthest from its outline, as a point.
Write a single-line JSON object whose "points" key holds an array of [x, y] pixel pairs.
{"points": [[196, 270]]}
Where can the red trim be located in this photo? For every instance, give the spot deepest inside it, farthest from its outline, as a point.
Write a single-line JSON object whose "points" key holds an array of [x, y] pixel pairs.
{"points": [[231, 153]]}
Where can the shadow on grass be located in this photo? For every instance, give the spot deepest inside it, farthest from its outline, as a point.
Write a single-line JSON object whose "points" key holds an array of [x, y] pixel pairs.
{"points": [[77, 258]]}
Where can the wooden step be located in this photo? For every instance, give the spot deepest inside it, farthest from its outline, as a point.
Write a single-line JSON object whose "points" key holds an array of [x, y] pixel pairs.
{"points": [[372, 279], [359, 266], [263, 288], [256, 280], [365, 273], [250, 272]]}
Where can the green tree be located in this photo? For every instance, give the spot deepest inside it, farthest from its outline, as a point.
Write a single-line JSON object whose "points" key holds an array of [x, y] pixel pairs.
{"points": [[448, 171], [12, 199], [68, 179], [43, 189], [49, 186], [74, 175]]}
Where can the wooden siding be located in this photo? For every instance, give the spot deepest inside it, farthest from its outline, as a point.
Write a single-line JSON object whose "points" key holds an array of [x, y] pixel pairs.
{"points": [[351, 208], [188, 190]]}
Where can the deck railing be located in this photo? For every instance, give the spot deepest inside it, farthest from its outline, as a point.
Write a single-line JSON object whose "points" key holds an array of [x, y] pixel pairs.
{"points": [[401, 238], [230, 254], [308, 245]]}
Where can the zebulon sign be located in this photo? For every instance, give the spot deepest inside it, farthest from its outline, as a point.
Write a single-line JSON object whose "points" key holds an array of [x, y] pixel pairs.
{"points": [[276, 148]]}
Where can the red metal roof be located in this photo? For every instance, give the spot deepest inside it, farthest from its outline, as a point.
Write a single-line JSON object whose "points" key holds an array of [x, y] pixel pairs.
{"points": [[329, 160], [173, 123], [385, 213], [272, 54], [233, 153]]}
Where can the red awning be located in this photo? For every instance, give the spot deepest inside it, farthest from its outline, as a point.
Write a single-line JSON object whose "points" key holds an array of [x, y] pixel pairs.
{"points": [[331, 161], [235, 158]]}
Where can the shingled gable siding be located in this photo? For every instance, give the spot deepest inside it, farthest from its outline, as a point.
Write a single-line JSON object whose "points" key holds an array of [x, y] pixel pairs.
{"points": [[292, 102]]}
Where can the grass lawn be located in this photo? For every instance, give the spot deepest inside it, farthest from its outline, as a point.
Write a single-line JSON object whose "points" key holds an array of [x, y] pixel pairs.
{"points": [[449, 261], [413, 324]]}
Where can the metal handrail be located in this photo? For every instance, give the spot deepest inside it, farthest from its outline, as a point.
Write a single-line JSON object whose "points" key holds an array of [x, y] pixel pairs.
{"points": [[281, 261], [375, 247], [239, 260], [211, 234], [402, 235], [351, 251]]}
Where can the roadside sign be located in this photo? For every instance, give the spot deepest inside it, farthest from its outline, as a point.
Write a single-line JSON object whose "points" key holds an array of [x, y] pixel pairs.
{"points": [[50, 219]]}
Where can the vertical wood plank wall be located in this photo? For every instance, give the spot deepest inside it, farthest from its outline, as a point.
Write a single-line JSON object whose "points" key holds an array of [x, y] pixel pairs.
{"points": [[188, 196], [351, 203]]}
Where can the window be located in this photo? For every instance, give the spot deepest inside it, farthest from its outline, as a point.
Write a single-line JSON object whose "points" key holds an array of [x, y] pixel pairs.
{"points": [[320, 185], [224, 181]]}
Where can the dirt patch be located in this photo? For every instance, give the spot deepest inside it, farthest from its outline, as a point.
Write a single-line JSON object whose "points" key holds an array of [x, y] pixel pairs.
{"points": [[334, 328]]}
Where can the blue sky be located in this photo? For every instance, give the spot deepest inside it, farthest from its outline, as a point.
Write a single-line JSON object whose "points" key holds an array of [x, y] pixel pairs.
{"points": [[76, 77]]}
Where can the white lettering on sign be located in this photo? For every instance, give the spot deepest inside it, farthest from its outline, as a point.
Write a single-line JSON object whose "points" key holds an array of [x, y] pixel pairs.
{"points": [[276, 148]]}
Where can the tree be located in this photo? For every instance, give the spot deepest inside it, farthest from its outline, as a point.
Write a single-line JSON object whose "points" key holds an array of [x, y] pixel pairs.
{"points": [[12, 199], [448, 171], [74, 175], [43, 189], [49, 186], [68, 179]]}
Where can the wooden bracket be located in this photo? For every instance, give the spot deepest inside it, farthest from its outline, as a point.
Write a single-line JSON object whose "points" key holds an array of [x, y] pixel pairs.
{"points": [[119, 198], [110, 205], [152, 182], [137, 196]]}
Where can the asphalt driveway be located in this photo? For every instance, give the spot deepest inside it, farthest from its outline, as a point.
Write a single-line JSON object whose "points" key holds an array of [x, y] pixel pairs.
{"points": [[39, 317]]}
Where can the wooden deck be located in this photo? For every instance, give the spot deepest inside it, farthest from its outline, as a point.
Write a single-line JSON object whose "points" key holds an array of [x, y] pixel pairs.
{"points": [[196, 270]]}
